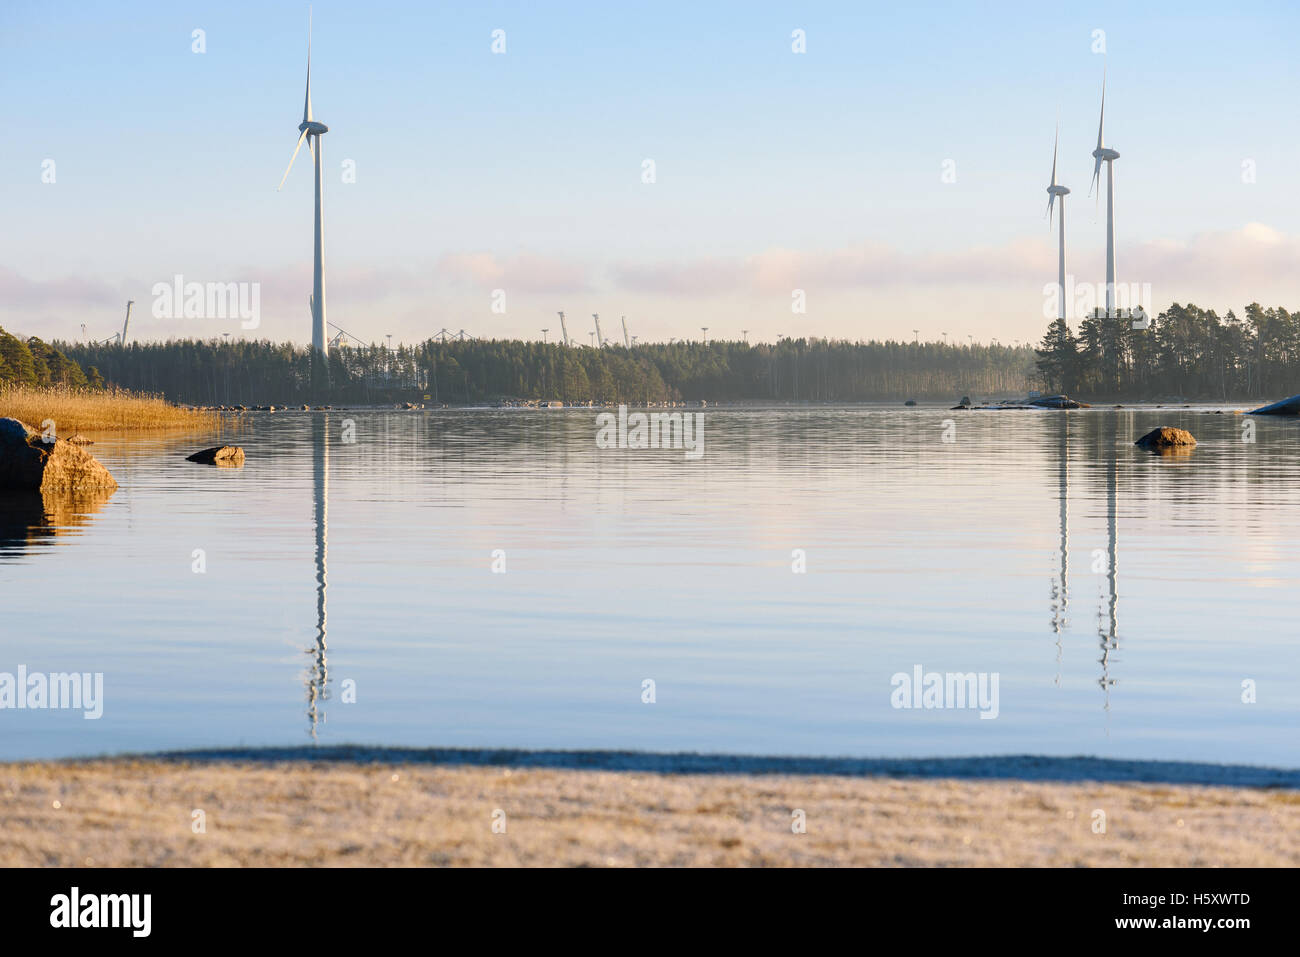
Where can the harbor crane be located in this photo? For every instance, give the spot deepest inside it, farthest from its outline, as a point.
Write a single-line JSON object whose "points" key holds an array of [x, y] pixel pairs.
{"points": [[443, 335], [119, 337]]}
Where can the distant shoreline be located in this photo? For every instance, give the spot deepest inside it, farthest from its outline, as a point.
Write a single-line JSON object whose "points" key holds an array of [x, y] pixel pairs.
{"points": [[931, 404]]}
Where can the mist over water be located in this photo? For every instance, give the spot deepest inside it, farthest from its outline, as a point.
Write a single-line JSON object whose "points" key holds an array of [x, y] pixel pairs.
{"points": [[1121, 598]]}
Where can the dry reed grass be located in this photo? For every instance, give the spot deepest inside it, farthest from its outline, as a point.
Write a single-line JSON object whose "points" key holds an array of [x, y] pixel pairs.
{"points": [[108, 410], [140, 812]]}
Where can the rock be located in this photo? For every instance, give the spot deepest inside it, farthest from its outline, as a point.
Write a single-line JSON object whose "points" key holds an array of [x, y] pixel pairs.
{"points": [[226, 456], [79, 439], [1289, 406], [1058, 402], [910, 402], [1166, 437], [29, 464]]}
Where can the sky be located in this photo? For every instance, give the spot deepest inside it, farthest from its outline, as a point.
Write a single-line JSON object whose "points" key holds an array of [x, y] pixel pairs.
{"points": [[895, 172]]}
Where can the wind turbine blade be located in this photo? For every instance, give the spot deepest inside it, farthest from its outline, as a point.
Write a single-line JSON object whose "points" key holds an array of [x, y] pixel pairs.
{"points": [[1101, 125], [306, 103], [311, 149], [1055, 145], [302, 136], [1096, 176], [1051, 199]]}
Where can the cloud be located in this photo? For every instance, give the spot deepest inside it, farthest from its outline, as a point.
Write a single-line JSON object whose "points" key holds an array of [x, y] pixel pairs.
{"points": [[525, 273], [861, 266], [1220, 269], [707, 277], [1255, 254], [19, 292]]}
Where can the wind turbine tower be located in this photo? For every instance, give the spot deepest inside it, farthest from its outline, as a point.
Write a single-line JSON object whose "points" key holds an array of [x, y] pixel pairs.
{"points": [[564, 331], [309, 129], [627, 340], [1054, 191], [600, 340], [1104, 154]]}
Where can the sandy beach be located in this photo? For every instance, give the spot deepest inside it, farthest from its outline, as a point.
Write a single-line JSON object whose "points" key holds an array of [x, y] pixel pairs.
{"points": [[404, 809]]}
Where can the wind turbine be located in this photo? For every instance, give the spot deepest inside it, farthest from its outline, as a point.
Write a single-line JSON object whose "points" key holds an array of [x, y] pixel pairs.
{"points": [[627, 340], [564, 331], [1104, 154], [1054, 191], [309, 129]]}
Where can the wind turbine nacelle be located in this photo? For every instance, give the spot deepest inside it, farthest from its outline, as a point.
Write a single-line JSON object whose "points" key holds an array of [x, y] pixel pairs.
{"points": [[311, 126], [1106, 154], [1059, 190]]}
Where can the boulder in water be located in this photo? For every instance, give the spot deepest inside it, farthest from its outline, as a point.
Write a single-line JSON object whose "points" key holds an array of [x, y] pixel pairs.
{"points": [[28, 463], [1058, 402], [227, 456], [1289, 406], [1164, 438]]}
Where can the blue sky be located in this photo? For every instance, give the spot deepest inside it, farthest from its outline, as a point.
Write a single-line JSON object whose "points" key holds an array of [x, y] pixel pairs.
{"points": [[522, 171]]}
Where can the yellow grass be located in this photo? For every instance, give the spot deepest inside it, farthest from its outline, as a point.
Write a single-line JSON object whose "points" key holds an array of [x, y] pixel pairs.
{"points": [[144, 812], [109, 410]]}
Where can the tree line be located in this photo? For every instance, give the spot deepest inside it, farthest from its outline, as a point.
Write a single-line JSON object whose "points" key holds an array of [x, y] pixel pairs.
{"points": [[218, 372], [34, 363], [1186, 351]]}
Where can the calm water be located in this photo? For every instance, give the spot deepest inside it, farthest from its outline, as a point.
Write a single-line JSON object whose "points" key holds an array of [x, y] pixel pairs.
{"points": [[1121, 598]]}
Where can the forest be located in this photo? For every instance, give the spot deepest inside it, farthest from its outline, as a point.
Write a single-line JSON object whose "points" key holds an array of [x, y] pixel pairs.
{"points": [[1186, 352], [476, 371], [35, 364]]}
